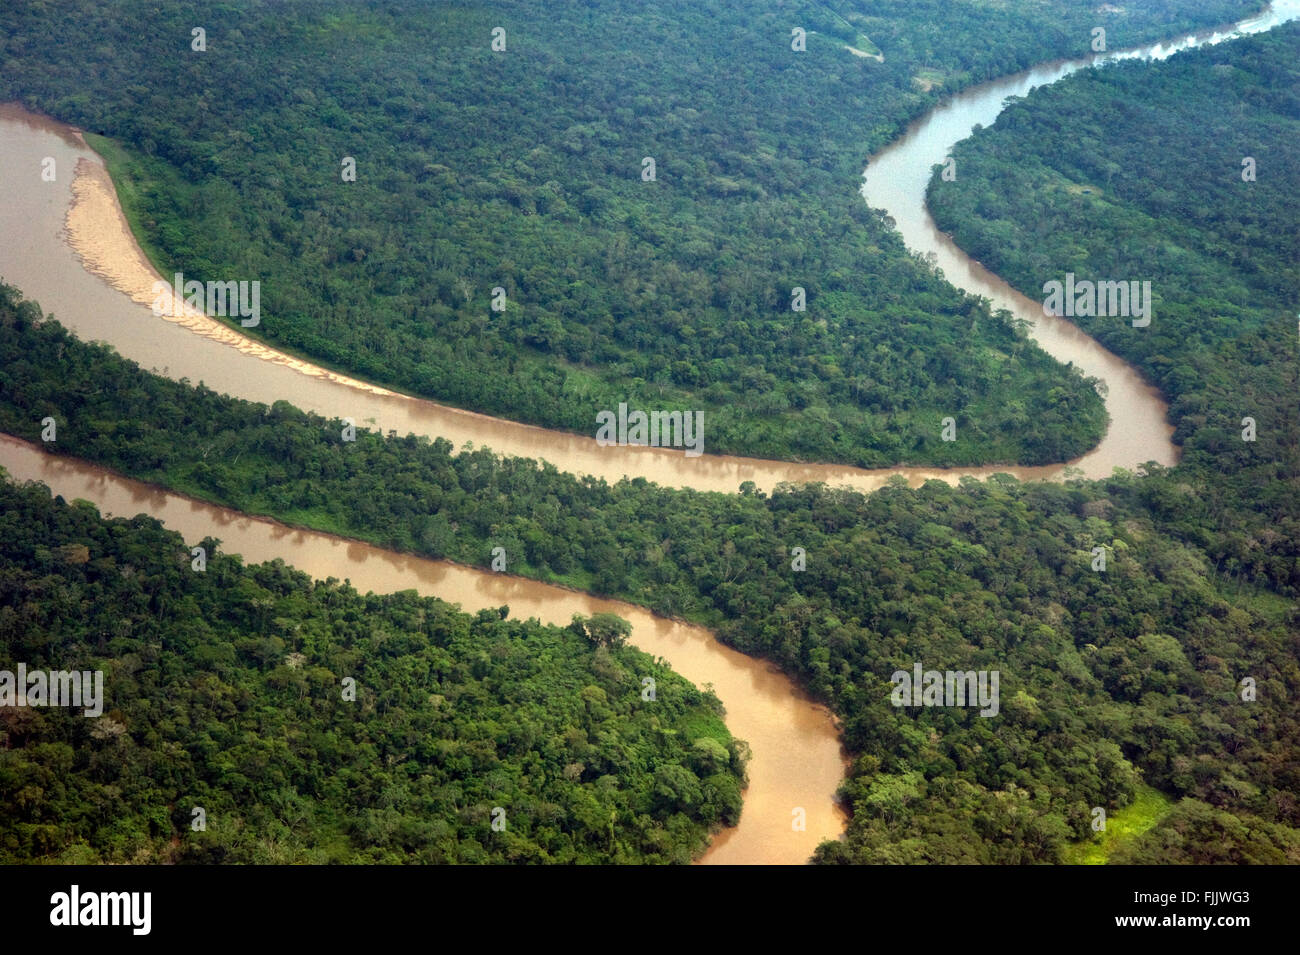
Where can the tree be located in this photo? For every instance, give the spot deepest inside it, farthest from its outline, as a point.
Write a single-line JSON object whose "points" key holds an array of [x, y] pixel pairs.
{"points": [[602, 629]]}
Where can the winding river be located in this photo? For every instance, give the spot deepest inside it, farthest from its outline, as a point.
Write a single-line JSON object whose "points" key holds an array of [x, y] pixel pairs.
{"points": [[796, 760], [75, 255]]}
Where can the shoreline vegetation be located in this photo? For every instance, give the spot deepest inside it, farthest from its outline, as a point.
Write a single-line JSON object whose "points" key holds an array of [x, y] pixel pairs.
{"points": [[109, 252], [1084, 655], [678, 294], [962, 539], [310, 723]]}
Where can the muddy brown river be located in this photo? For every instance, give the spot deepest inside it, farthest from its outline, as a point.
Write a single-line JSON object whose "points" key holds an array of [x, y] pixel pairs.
{"points": [[796, 763], [68, 247]]}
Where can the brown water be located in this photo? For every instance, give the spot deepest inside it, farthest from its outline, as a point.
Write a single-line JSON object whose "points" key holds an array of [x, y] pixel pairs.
{"points": [[80, 261], [102, 292], [895, 182], [78, 258], [797, 761]]}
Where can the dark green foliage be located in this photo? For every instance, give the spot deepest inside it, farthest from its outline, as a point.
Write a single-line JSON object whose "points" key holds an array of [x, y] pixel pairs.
{"points": [[1160, 149], [1103, 676], [521, 170], [1136, 171], [223, 690]]}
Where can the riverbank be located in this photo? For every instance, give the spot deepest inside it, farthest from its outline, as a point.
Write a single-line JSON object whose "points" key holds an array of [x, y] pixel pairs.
{"points": [[911, 473], [796, 760]]}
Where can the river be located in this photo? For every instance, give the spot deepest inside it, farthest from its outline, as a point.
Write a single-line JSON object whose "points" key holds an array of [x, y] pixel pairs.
{"points": [[796, 762], [75, 255]]}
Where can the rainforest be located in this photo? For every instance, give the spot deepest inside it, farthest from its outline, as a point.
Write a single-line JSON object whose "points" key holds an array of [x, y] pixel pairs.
{"points": [[378, 577]]}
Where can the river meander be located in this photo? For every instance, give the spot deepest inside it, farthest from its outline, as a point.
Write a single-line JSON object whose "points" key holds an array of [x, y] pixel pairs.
{"points": [[68, 247]]}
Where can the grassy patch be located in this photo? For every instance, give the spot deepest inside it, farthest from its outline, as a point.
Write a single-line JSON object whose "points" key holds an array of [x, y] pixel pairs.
{"points": [[863, 43], [1148, 807]]}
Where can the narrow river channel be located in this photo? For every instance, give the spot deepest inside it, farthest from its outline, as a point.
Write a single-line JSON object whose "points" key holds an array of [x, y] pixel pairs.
{"points": [[796, 762], [68, 247]]}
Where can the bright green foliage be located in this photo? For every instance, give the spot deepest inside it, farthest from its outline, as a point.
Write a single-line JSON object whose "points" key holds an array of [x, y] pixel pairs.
{"points": [[522, 170], [1107, 679], [224, 690], [1123, 826], [1138, 171]]}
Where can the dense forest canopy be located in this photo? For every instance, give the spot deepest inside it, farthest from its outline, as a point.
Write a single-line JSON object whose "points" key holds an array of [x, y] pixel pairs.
{"points": [[1184, 174], [225, 691], [521, 170], [1120, 688], [1136, 172], [1107, 679]]}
